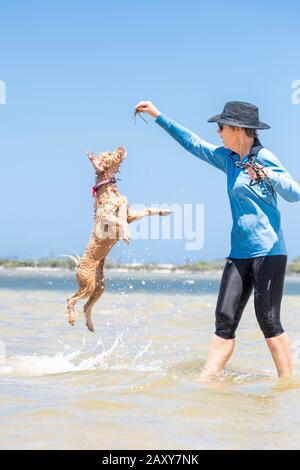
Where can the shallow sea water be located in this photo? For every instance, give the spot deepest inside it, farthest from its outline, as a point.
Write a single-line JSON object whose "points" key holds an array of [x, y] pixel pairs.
{"points": [[133, 384]]}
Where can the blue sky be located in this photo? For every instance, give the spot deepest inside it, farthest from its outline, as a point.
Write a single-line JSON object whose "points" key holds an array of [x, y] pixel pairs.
{"points": [[74, 71]]}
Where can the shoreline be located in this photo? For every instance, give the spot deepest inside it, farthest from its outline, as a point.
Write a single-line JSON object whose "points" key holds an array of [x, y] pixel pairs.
{"points": [[121, 270]]}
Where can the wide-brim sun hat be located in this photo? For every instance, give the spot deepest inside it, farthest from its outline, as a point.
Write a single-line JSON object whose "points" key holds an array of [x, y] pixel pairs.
{"points": [[240, 114]]}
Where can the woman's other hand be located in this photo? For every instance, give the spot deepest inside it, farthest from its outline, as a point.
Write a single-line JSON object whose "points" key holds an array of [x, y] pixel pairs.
{"points": [[253, 175]]}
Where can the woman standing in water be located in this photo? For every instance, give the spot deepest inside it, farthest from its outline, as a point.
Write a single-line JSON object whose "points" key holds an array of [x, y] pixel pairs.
{"points": [[258, 253]]}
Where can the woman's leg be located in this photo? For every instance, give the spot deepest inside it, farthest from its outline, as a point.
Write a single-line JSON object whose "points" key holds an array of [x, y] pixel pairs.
{"points": [[219, 353], [268, 277], [235, 290], [280, 348]]}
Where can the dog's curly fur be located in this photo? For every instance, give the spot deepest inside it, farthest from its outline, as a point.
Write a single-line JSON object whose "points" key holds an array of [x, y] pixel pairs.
{"points": [[112, 216]]}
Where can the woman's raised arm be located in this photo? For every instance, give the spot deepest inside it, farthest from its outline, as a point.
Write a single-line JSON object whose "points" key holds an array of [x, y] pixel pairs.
{"points": [[210, 153]]}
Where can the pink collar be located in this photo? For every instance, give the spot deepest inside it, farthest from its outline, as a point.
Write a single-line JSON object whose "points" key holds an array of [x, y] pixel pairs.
{"points": [[101, 183]]}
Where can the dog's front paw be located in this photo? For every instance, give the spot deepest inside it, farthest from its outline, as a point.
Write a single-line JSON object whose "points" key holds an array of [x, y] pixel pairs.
{"points": [[165, 212], [126, 238], [124, 233]]}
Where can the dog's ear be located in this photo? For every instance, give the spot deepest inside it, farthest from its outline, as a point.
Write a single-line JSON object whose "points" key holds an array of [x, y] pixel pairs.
{"points": [[90, 154], [93, 159]]}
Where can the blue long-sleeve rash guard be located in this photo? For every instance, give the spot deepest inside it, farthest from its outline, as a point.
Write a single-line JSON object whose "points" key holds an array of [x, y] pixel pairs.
{"points": [[256, 229]]}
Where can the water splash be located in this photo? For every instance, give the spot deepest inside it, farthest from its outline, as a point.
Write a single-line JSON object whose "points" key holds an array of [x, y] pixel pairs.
{"points": [[77, 360], [193, 367], [141, 353]]}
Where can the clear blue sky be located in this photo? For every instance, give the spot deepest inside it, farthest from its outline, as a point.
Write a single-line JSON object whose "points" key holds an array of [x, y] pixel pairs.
{"points": [[74, 71]]}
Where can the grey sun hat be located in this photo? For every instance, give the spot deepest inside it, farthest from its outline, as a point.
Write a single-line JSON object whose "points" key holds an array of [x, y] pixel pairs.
{"points": [[240, 114]]}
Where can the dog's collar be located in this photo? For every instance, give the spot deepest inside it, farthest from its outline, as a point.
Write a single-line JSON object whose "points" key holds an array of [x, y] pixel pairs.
{"points": [[95, 188]]}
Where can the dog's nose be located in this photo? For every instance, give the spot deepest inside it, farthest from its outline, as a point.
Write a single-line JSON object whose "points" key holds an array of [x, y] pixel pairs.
{"points": [[121, 150]]}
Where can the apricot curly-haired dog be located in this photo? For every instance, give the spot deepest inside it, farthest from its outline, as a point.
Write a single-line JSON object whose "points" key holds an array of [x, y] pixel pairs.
{"points": [[112, 216]]}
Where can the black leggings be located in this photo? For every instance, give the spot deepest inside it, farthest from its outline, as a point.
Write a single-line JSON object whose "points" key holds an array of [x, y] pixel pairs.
{"points": [[266, 275]]}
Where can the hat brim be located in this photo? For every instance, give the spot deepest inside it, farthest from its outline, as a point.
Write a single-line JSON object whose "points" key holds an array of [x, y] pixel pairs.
{"points": [[221, 120]]}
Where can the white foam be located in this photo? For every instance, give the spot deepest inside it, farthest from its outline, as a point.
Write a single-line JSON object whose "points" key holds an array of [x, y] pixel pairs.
{"points": [[72, 361]]}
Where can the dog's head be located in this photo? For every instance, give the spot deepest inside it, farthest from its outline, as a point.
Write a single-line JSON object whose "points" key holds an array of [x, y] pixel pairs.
{"points": [[108, 162]]}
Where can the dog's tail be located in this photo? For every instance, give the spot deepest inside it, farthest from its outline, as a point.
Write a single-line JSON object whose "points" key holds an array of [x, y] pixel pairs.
{"points": [[75, 258]]}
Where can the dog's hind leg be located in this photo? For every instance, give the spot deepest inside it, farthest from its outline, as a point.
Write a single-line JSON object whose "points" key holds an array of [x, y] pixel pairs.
{"points": [[82, 293], [86, 279], [98, 291]]}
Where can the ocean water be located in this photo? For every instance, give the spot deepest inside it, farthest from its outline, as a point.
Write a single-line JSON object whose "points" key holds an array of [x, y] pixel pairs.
{"points": [[133, 384]]}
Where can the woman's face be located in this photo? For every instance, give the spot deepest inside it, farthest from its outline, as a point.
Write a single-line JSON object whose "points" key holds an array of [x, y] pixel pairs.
{"points": [[230, 135]]}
